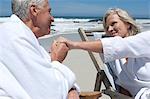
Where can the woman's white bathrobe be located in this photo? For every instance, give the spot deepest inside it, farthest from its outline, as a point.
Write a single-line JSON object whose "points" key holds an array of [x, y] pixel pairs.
{"points": [[26, 70], [135, 74]]}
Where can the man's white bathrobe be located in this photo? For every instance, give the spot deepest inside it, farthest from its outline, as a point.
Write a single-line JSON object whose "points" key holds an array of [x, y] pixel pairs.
{"points": [[26, 70], [135, 73]]}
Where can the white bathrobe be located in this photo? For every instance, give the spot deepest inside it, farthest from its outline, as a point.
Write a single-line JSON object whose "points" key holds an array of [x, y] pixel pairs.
{"points": [[135, 74], [26, 70]]}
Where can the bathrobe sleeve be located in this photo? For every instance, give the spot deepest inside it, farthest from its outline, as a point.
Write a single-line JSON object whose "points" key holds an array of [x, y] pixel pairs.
{"points": [[144, 93], [34, 69], [36, 59], [133, 47], [67, 74], [63, 69]]}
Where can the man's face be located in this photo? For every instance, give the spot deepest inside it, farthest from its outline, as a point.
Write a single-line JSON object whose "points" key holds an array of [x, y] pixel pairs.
{"points": [[44, 20]]}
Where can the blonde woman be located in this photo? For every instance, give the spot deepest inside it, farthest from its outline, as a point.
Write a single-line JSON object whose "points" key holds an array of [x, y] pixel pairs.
{"points": [[117, 22]]}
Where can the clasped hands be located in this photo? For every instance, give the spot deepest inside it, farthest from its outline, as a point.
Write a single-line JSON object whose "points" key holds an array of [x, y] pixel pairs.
{"points": [[59, 49]]}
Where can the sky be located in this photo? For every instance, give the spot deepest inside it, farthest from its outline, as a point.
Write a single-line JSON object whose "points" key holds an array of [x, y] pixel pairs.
{"points": [[89, 8]]}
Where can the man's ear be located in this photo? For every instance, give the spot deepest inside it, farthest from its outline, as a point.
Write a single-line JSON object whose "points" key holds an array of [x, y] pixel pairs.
{"points": [[34, 10]]}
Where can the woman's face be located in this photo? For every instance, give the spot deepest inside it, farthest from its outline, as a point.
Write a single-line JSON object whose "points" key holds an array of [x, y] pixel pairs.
{"points": [[116, 27]]}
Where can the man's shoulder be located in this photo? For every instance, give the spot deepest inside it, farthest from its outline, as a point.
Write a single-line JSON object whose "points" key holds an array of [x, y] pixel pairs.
{"points": [[9, 26]]}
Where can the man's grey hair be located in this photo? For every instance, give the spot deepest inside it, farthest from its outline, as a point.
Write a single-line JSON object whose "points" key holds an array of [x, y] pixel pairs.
{"points": [[21, 7], [125, 17]]}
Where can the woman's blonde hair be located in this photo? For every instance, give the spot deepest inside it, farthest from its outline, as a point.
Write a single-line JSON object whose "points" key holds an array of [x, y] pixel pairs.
{"points": [[124, 16]]}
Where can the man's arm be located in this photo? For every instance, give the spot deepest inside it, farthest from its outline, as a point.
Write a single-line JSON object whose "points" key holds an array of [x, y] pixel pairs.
{"points": [[59, 52]]}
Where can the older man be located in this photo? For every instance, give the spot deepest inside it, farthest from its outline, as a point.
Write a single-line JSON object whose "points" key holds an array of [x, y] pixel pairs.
{"points": [[27, 71]]}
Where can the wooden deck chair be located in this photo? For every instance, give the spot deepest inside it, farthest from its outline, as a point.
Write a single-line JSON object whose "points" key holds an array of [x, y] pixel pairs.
{"points": [[101, 75]]}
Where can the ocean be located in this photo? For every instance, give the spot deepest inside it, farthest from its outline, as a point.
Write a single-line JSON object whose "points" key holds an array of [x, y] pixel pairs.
{"points": [[71, 24], [63, 24], [68, 24]]}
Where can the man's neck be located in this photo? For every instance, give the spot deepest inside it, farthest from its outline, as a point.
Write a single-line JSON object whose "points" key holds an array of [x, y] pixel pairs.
{"points": [[33, 28]]}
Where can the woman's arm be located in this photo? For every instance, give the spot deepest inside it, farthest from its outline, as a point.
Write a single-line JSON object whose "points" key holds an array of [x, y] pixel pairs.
{"points": [[95, 46]]}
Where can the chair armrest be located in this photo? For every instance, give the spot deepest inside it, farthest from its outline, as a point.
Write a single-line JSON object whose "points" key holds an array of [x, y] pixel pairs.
{"points": [[115, 95], [90, 95]]}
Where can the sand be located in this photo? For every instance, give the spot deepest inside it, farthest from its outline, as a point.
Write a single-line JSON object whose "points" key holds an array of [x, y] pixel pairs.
{"points": [[79, 62]]}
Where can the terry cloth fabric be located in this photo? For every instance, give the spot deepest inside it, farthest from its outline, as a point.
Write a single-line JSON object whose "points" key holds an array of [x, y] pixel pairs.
{"points": [[29, 67], [135, 72]]}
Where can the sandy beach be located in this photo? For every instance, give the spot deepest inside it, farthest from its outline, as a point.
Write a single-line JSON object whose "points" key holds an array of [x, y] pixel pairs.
{"points": [[79, 62]]}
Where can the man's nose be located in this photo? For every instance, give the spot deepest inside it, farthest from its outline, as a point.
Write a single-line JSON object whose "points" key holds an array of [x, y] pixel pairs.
{"points": [[52, 18]]}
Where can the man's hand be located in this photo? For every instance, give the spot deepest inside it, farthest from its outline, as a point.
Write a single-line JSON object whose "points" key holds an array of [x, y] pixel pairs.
{"points": [[59, 51], [73, 94], [70, 44]]}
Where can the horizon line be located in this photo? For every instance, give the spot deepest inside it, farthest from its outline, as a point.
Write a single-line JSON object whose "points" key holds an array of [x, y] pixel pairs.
{"points": [[77, 16]]}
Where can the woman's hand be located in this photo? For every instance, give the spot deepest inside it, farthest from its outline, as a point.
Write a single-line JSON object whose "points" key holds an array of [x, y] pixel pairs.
{"points": [[70, 44]]}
